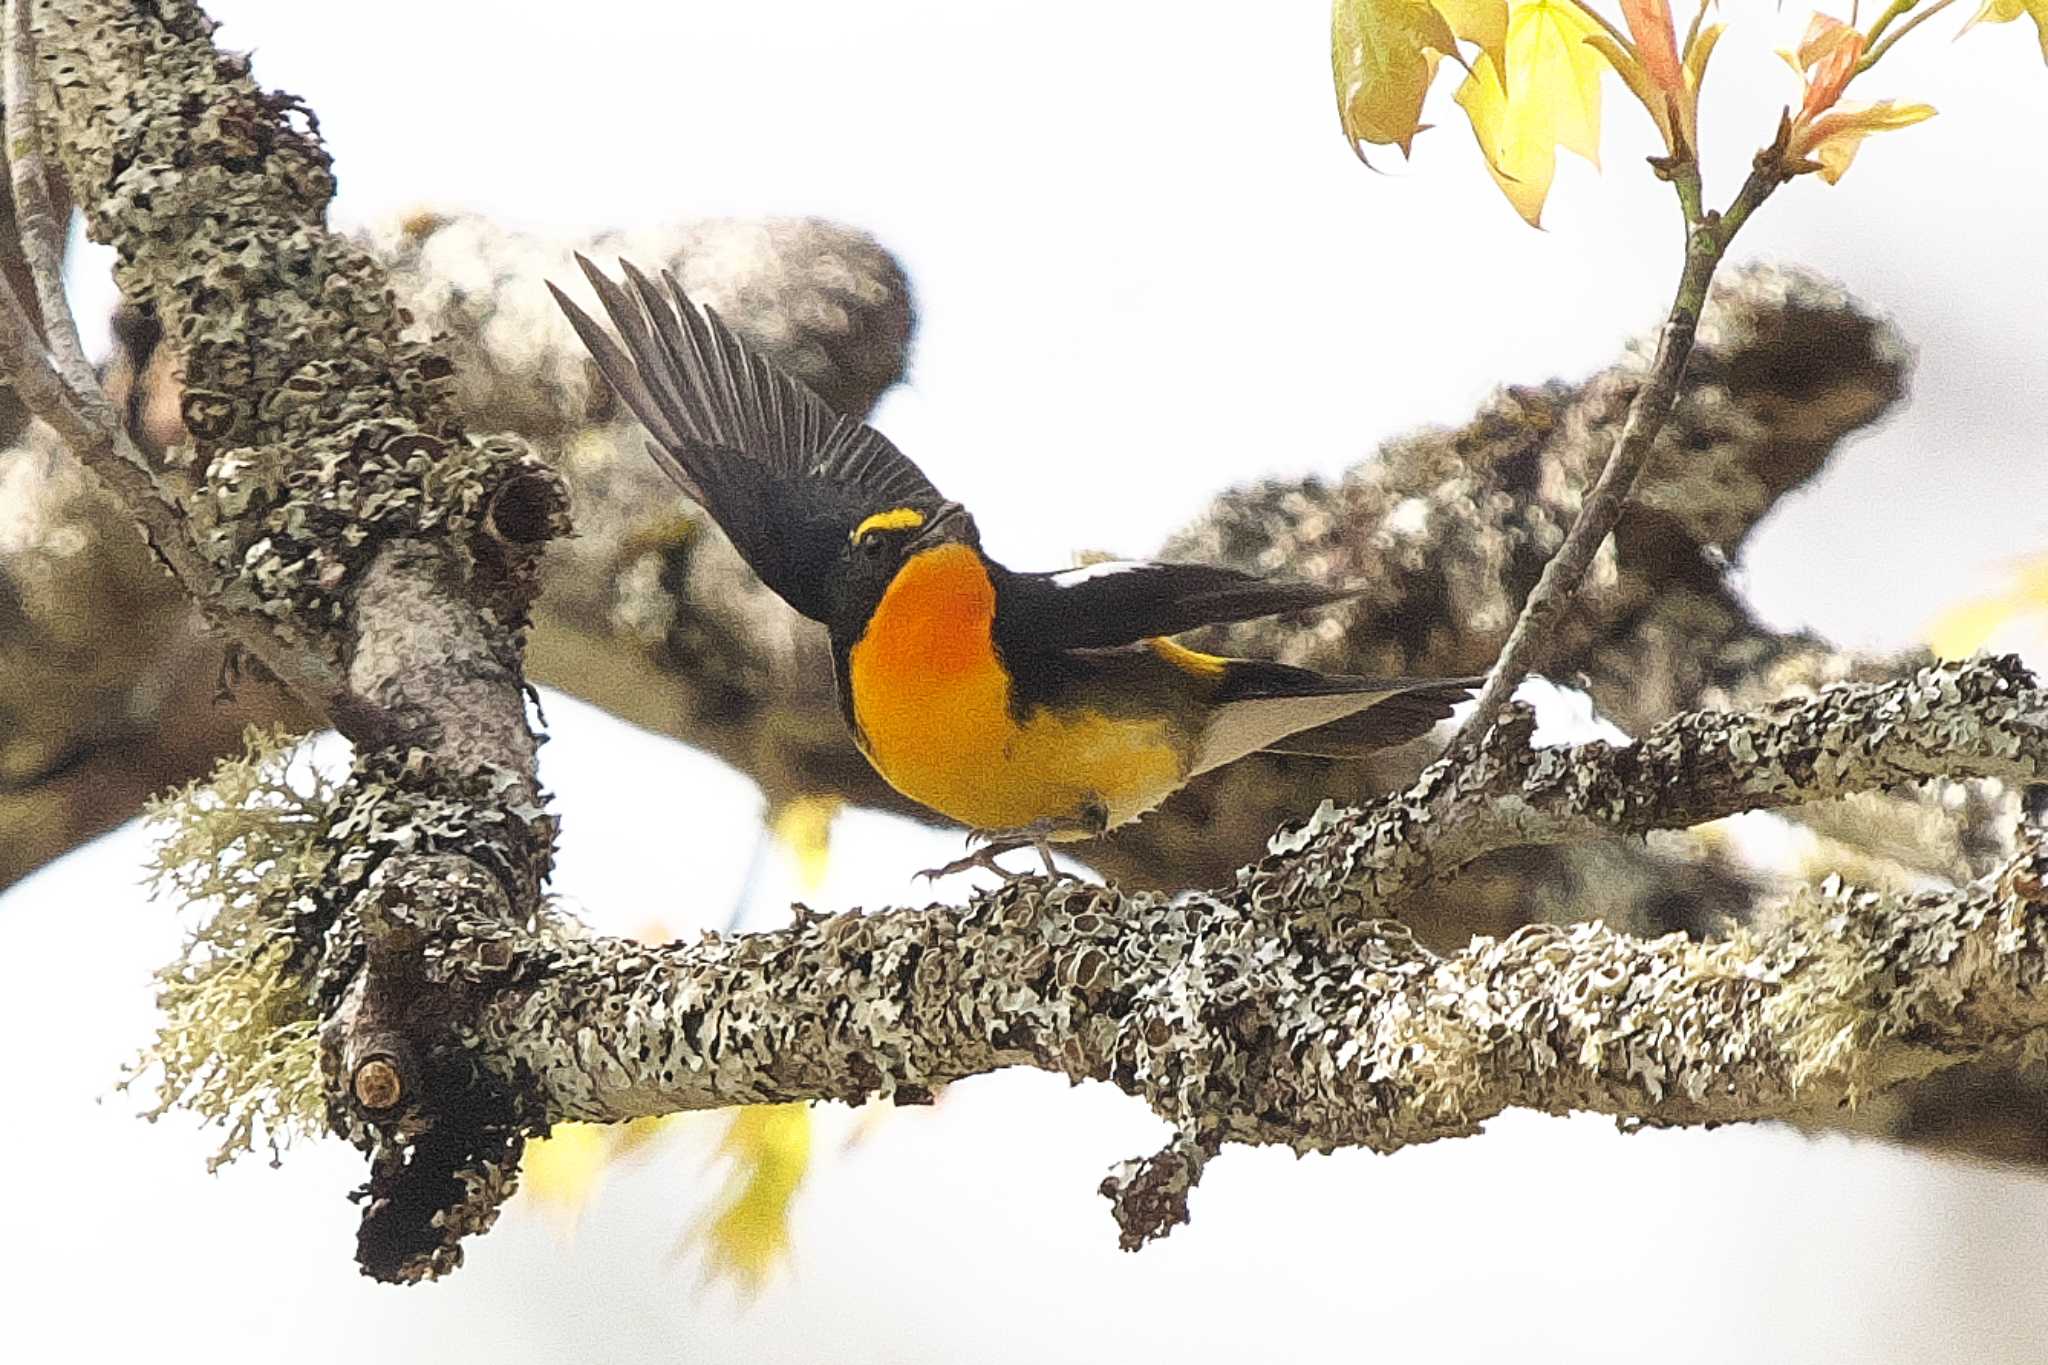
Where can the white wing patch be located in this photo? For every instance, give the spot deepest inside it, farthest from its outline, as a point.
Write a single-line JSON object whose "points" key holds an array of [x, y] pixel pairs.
{"points": [[1073, 578], [1242, 727]]}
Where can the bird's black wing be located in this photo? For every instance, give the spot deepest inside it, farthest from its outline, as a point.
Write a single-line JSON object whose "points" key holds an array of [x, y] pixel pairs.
{"points": [[1102, 605], [780, 472]]}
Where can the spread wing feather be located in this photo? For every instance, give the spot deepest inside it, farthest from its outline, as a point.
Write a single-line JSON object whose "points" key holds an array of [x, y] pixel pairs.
{"points": [[1104, 605], [784, 475]]}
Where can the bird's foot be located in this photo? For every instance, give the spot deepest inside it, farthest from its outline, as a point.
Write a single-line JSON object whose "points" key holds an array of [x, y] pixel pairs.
{"points": [[995, 843]]}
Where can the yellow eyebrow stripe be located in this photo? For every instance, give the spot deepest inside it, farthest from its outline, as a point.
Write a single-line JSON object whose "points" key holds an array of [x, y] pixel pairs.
{"points": [[895, 519]]}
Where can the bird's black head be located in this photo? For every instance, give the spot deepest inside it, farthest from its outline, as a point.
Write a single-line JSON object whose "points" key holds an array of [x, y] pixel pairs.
{"points": [[877, 546]]}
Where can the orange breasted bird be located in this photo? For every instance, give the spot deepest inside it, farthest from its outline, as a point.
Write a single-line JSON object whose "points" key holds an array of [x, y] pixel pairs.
{"points": [[1033, 708]]}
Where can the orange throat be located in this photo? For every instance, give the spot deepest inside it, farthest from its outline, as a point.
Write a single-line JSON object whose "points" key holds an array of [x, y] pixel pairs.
{"points": [[932, 709], [930, 698]]}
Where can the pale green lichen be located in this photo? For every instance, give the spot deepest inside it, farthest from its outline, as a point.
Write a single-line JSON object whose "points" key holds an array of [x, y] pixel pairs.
{"points": [[249, 850]]}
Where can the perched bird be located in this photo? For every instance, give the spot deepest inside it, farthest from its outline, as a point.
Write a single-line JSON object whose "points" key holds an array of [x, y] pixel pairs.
{"points": [[1034, 708]]}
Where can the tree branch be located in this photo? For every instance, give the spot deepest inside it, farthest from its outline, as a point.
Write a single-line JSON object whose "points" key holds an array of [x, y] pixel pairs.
{"points": [[648, 613], [39, 226], [365, 550], [1964, 720], [1274, 1011]]}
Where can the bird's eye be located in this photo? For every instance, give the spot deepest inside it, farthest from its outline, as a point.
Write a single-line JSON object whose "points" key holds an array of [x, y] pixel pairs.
{"points": [[871, 545]]}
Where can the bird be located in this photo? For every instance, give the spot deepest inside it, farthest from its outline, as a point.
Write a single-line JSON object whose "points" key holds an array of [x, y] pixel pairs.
{"points": [[1034, 708]]}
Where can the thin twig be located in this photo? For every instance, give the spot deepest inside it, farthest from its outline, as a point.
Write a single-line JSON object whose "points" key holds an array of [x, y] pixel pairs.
{"points": [[35, 216], [1884, 20], [1878, 50], [105, 449], [1707, 238], [59, 386]]}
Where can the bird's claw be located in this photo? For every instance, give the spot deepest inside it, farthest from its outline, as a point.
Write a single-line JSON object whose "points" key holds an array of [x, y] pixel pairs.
{"points": [[995, 844]]}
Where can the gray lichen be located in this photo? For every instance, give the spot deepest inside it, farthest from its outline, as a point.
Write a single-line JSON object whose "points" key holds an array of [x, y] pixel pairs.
{"points": [[317, 428]]}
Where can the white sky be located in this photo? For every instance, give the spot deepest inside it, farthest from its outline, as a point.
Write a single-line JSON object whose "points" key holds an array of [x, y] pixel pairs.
{"points": [[1146, 267]]}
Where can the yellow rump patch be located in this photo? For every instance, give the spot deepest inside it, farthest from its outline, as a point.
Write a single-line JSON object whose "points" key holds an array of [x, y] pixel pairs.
{"points": [[895, 519], [1188, 660]]}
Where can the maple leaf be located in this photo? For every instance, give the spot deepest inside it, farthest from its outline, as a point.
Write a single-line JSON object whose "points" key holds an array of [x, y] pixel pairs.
{"points": [[1829, 143], [1482, 22], [1665, 80], [1383, 54], [1696, 54], [1826, 133], [1548, 98], [2005, 11], [1825, 60]]}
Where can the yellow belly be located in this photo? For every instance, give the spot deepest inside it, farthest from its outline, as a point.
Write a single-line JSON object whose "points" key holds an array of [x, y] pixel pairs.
{"points": [[932, 707]]}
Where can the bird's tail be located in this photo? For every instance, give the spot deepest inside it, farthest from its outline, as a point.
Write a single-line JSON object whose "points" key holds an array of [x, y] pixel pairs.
{"points": [[1279, 709]]}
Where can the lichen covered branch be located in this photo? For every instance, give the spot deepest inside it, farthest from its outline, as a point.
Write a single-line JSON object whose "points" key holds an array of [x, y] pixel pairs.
{"points": [[1281, 1009], [1236, 1021], [325, 500], [1980, 719]]}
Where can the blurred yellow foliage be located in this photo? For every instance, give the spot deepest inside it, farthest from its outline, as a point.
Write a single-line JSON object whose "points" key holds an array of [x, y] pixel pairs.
{"points": [[746, 1233], [803, 825], [1963, 629], [564, 1169]]}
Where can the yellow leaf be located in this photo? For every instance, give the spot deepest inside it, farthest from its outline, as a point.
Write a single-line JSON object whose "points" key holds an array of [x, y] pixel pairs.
{"points": [[2005, 11], [1832, 139], [1697, 54], [746, 1234], [563, 1170], [1484, 22], [634, 1134], [1549, 98], [803, 825], [1383, 54], [1825, 62]]}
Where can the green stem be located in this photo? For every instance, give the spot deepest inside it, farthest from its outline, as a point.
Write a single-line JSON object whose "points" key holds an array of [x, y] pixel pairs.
{"points": [[1884, 21], [1878, 49]]}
